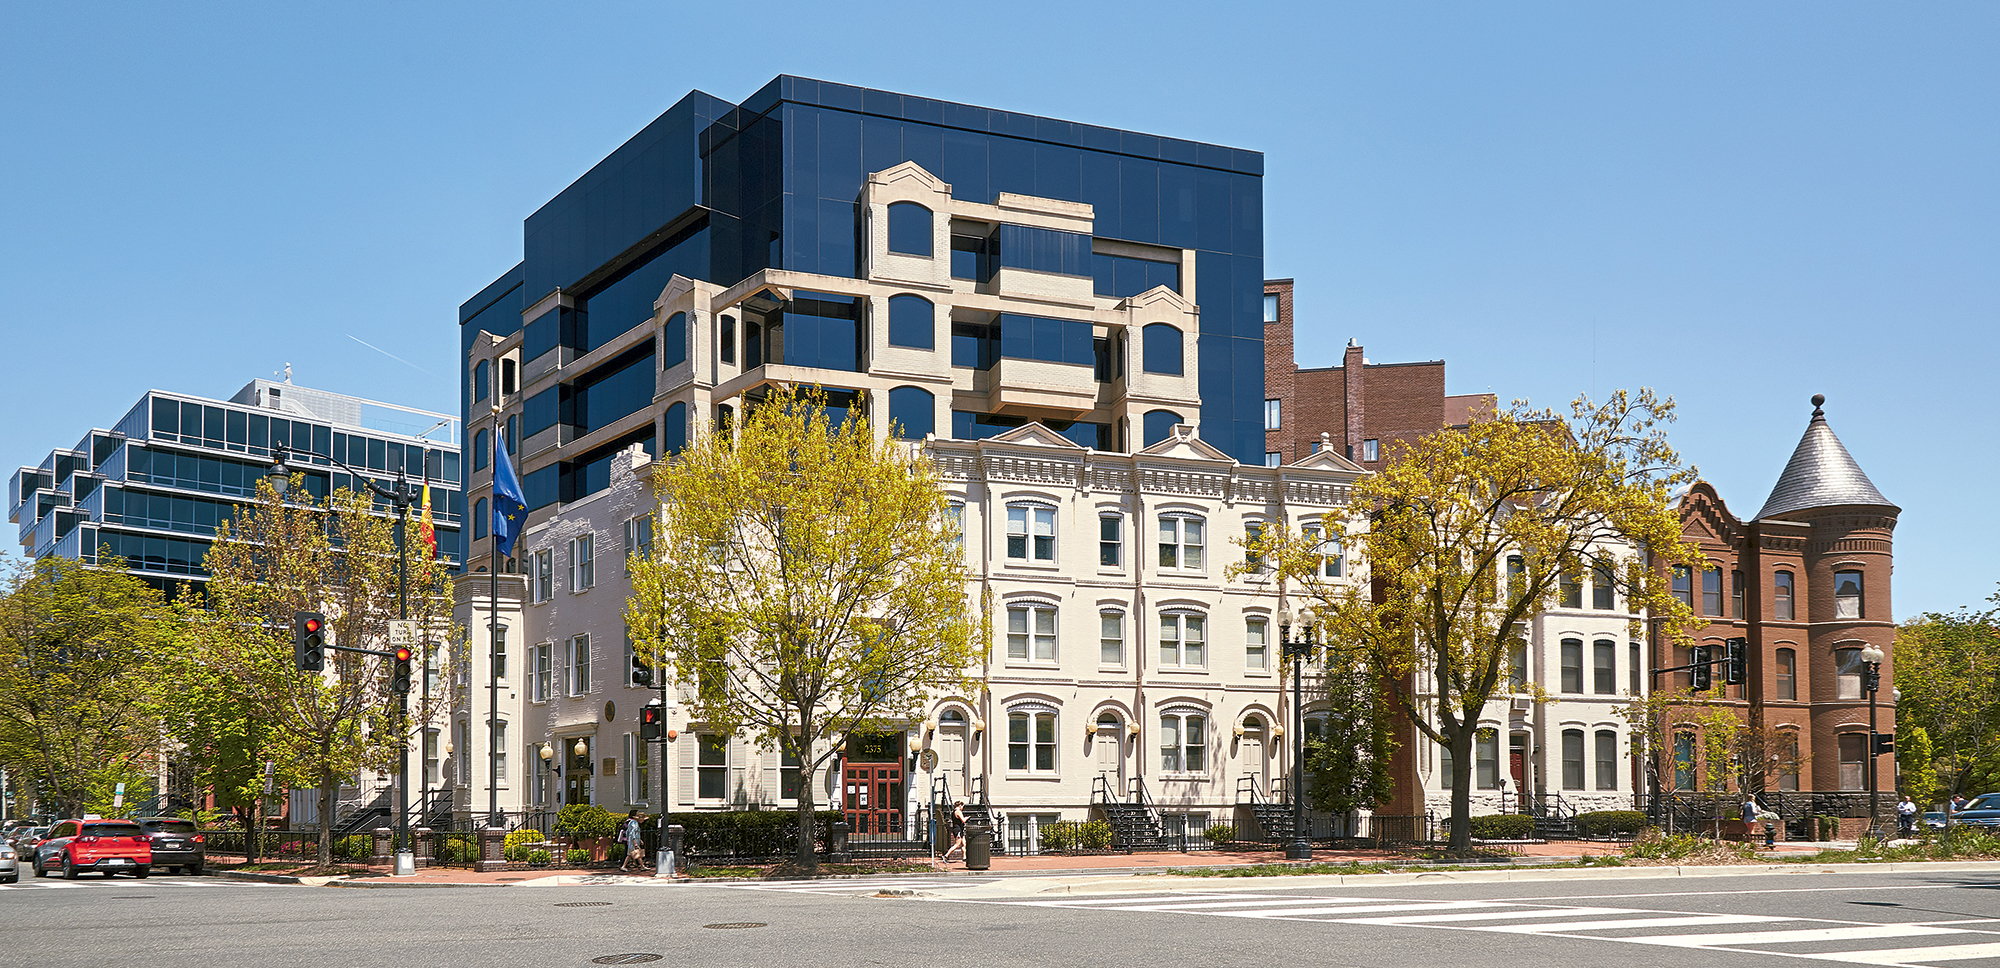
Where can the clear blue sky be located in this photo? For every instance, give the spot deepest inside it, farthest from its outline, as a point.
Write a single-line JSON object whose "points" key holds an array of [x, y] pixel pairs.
{"points": [[1738, 204]]}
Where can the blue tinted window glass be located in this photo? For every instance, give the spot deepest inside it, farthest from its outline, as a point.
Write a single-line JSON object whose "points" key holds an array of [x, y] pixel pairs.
{"points": [[480, 378], [1044, 250], [609, 393], [482, 446], [627, 300], [1161, 349], [479, 518], [676, 428], [1159, 425], [972, 257], [968, 425], [539, 487], [822, 330], [591, 472], [913, 411], [912, 322], [1118, 276], [909, 228], [541, 411], [674, 341], [976, 345], [543, 333], [1025, 337]]}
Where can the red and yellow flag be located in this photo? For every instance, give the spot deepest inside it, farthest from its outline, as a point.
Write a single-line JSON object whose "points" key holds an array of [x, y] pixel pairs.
{"points": [[426, 528]]}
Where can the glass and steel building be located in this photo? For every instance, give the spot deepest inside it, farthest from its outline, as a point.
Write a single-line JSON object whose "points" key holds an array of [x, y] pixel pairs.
{"points": [[153, 488], [958, 269]]}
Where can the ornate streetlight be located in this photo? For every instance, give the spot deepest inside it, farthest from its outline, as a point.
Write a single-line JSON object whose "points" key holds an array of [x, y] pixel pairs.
{"points": [[1871, 683], [1297, 651]]}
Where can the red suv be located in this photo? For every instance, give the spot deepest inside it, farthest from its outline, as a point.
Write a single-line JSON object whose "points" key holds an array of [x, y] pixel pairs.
{"points": [[109, 846]]}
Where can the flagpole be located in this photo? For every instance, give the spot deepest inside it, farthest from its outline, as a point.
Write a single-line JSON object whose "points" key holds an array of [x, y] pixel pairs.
{"points": [[493, 817], [430, 535]]}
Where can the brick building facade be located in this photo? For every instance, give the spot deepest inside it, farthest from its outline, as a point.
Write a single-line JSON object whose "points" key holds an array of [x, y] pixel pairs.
{"points": [[1807, 582], [1362, 410]]}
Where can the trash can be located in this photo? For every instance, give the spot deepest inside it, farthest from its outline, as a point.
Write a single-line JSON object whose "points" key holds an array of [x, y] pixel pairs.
{"points": [[978, 847]]}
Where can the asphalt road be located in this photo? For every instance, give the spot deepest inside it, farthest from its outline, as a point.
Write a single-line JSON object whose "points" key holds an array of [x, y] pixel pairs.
{"points": [[1947, 919]]}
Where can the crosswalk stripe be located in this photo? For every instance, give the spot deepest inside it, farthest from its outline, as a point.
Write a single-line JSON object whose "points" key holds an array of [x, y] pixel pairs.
{"points": [[1740, 938], [1913, 956], [1363, 909], [1416, 920], [1109, 901], [1216, 905], [1560, 927]]}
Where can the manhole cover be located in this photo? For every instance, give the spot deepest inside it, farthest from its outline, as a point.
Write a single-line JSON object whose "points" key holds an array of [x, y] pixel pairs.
{"points": [[636, 958], [586, 904], [738, 924]]}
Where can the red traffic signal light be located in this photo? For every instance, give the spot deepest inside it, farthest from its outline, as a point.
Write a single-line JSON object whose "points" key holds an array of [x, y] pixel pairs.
{"points": [[313, 624], [652, 722], [403, 654], [399, 678], [309, 641]]}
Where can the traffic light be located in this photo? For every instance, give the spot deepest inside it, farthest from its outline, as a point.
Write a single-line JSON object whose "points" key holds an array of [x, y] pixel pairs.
{"points": [[1885, 743], [1704, 673], [399, 679], [1871, 677], [309, 640], [642, 674], [1735, 661], [652, 722]]}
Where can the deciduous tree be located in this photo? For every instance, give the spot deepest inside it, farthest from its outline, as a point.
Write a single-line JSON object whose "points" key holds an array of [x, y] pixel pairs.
{"points": [[1468, 535], [1948, 670], [807, 583]]}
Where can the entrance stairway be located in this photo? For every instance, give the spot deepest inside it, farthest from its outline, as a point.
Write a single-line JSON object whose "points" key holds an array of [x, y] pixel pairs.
{"points": [[1273, 815], [1135, 822]]}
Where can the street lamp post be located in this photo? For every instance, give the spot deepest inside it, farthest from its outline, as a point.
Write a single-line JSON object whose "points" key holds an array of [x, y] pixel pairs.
{"points": [[1297, 651], [399, 499], [1871, 683]]}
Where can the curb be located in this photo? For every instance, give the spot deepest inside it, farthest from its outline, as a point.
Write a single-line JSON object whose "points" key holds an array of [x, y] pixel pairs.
{"points": [[262, 878]]}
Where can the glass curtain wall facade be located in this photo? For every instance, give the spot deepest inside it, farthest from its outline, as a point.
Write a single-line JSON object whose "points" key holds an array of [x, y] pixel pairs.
{"points": [[717, 191], [153, 488]]}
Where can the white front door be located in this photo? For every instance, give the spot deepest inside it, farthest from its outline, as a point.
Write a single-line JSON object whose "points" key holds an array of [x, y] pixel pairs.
{"points": [[1250, 753], [951, 749], [1111, 756]]}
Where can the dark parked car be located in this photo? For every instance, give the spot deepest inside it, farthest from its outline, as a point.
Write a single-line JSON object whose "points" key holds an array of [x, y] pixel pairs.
{"points": [[24, 839], [107, 846], [176, 843], [1981, 811]]}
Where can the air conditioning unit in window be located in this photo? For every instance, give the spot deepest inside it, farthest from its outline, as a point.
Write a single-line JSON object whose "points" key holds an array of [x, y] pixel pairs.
{"points": [[1521, 704]]}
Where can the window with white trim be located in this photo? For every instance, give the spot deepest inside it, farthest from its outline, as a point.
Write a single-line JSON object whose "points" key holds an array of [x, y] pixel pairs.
{"points": [[579, 664], [1183, 741], [1111, 639], [1184, 640], [1031, 532], [1031, 632], [1031, 740], [1111, 539], [1182, 537], [711, 766], [542, 575], [1274, 414], [1257, 644], [542, 683], [954, 521], [1332, 559], [499, 751], [638, 539], [582, 562], [638, 769]]}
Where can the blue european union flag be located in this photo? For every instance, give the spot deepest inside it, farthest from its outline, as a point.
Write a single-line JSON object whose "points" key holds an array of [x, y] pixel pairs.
{"points": [[510, 508]]}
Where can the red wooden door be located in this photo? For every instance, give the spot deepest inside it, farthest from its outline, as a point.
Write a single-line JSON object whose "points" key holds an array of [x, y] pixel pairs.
{"points": [[873, 797]]}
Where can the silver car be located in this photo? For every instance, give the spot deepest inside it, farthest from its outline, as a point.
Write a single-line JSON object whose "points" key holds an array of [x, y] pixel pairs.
{"points": [[10, 865]]}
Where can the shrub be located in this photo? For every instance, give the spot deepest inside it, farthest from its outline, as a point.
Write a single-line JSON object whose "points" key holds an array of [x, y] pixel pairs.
{"points": [[538, 857], [522, 837], [457, 849], [577, 857], [1503, 826], [1076, 835], [585, 821], [1826, 826], [1654, 845], [355, 847], [616, 854], [514, 855], [1220, 834], [744, 833], [1608, 823]]}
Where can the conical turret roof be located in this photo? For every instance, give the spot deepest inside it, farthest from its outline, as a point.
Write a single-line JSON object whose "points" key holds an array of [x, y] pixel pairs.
{"points": [[1821, 474]]}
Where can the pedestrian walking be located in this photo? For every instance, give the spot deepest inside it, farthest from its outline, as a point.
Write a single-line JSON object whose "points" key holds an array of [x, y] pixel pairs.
{"points": [[1751, 811], [634, 839], [1906, 817], [956, 824]]}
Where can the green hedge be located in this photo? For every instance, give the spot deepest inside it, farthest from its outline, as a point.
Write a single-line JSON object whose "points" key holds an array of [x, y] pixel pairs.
{"points": [[1221, 833], [1610, 823], [742, 833], [457, 849], [577, 858], [586, 820], [355, 847], [1076, 835], [1503, 826]]}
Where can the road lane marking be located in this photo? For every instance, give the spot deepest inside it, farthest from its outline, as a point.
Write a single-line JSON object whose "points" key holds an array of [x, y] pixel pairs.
{"points": [[1794, 936], [1913, 956], [1558, 927], [1418, 920]]}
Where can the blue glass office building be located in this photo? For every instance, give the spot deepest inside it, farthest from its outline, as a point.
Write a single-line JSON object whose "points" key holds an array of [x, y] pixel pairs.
{"points": [[153, 488], [717, 191]]}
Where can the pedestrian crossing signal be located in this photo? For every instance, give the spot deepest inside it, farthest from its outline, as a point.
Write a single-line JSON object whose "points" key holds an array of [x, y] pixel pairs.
{"points": [[652, 722]]}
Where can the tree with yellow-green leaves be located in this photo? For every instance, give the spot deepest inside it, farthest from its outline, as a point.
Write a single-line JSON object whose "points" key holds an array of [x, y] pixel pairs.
{"points": [[807, 582], [1948, 676], [83, 649], [278, 557], [1470, 534]]}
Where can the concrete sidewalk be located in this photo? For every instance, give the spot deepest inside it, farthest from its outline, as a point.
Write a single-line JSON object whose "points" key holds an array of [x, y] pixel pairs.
{"points": [[1520, 855]]}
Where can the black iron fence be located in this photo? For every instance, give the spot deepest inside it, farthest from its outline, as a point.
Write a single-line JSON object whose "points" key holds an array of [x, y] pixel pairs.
{"points": [[1688, 812]]}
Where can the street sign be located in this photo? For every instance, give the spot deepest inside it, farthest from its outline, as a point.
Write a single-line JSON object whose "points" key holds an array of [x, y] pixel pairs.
{"points": [[269, 768], [402, 633], [118, 799], [927, 760]]}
